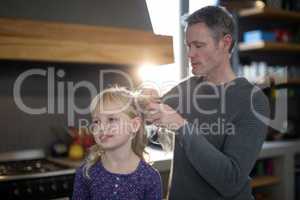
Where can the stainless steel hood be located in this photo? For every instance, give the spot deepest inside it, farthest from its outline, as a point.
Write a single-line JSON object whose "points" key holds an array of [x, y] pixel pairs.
{"points": [[94, 31], [131, 14]]}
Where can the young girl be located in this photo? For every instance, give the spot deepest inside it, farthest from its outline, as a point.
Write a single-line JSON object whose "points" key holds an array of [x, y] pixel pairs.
{"points": [[115, 168]]}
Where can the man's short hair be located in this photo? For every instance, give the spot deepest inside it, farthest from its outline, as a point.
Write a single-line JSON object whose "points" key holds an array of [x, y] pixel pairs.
{"points": [[217, 19]]}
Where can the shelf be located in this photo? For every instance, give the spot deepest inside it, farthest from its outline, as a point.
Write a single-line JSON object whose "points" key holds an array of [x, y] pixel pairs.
{"points": [[50, 41], [268, 13], [266, 83], [264, 181], [269, 46]]}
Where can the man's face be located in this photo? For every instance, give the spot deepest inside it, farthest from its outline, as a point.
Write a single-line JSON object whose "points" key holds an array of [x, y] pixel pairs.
{"points": [[205, 54]]}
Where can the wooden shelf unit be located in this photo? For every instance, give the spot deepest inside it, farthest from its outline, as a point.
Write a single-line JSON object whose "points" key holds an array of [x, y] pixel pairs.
{"points": [[266, 83], [269, 13], [269, 46], [268, 18], [262, 181], [50, 41], [282, 185]]}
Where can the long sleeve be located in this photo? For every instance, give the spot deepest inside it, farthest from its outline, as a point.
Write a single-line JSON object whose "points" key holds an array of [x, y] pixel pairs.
{"points": [[80, 189], [154, 187], [227, 169]]}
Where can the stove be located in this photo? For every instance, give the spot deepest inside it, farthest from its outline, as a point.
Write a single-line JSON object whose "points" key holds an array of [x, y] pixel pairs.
{"points": [[30, 175]]}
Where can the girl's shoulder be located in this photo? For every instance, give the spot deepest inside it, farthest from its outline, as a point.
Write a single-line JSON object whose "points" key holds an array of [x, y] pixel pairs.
{"points": [[84, 170], [149, 175], [148, 170]]}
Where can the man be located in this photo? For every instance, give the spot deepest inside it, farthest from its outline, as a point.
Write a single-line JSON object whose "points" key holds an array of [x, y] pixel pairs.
{"points": [[218, 118]]}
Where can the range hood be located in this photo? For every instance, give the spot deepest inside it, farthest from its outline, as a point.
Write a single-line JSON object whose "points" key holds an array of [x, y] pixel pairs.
{"points": [[94, 31]]}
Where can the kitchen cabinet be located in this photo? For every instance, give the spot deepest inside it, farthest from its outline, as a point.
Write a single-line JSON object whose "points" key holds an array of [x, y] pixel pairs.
{"points": [[22, 39]]}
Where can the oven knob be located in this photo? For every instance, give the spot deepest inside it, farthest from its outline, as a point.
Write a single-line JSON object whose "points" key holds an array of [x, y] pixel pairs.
{"points": [[65, 185], [41, 189], [29, 190], [54, 187], [16, 192]]}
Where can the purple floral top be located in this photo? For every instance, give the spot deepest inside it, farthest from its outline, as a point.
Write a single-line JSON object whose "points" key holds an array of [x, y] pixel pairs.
{"points": [[142, 184]]}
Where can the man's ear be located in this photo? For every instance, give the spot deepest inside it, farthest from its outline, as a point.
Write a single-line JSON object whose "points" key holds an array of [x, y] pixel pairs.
{"points": [[227, 41], [136, 124]]}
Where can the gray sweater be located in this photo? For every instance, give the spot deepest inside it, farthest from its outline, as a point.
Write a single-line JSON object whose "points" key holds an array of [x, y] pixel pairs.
{"points": [[217, 149]]}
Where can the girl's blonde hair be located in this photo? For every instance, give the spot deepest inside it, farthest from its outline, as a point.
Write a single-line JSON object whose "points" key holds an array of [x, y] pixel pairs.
{"points": [[132, 104]]}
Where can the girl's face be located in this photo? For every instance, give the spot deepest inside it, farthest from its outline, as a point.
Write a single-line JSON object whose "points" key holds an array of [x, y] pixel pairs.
{"points": [[113, 128]]}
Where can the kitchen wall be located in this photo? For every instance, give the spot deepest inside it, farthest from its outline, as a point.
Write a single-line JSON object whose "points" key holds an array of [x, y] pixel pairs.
{"points": [[22, 130]]}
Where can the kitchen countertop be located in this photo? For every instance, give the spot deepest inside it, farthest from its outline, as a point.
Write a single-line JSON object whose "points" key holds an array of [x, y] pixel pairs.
{"points": [[278, 148], [161, 160]]}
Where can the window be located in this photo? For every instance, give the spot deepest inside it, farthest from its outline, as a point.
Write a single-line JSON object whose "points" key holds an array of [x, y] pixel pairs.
{"points": [[164, 16]]}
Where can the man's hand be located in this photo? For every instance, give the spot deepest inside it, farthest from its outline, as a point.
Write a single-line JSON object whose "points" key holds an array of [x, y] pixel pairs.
{"points": [[164, 116]]}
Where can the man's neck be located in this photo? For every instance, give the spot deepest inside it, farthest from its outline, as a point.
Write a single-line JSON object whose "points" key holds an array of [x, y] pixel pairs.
{"points": [[221, 75]]}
